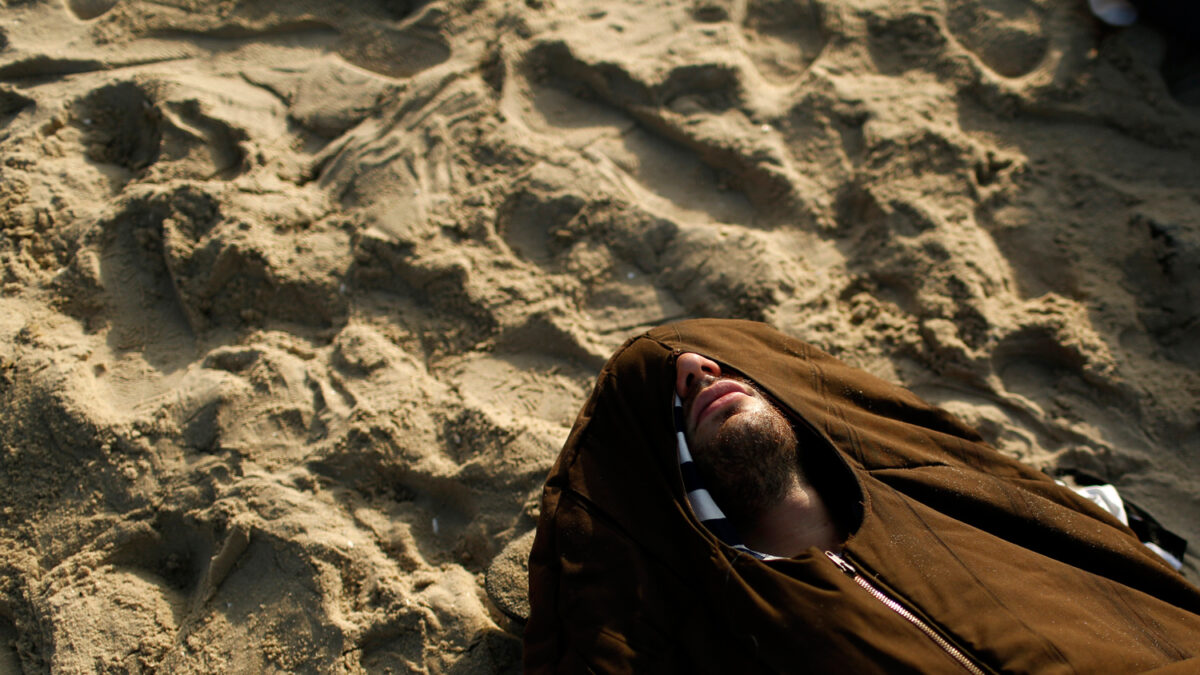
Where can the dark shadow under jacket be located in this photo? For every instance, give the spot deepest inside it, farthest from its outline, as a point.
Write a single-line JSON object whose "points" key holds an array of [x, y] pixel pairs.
{"points": [[1018, 573]]}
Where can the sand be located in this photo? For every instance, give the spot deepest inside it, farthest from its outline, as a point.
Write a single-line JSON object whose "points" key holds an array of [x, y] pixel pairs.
{"points": [[299, 300]]}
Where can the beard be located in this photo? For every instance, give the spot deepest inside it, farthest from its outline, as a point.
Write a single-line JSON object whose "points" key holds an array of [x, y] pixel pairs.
{"points": [[750, 462]]}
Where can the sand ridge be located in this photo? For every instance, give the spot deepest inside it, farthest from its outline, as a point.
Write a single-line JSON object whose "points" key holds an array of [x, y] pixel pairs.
{"points": [[299, 300]]}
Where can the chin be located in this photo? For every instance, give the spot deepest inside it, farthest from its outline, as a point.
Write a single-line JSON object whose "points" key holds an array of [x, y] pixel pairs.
{"points": [[750, 457]]}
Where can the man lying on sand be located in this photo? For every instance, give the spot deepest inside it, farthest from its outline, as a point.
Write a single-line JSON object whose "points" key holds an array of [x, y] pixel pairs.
{"points": [[734, 500]]}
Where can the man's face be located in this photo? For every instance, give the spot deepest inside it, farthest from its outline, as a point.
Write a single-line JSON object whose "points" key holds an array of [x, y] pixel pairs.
{"points": [[742, 444], [710, 400]]}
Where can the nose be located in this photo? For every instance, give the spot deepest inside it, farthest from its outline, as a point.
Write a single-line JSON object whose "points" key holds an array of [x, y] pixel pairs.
{"points": [[691, 368]]}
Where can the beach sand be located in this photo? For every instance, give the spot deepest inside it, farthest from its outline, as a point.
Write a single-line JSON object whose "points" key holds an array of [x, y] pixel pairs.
{"points": [[300, 300]]}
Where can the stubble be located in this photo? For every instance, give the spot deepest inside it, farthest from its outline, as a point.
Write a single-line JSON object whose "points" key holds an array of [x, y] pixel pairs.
{"points": [[750, 462]]}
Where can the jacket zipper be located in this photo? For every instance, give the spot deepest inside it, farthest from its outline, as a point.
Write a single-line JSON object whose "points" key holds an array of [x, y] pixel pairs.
{"points": [[954, 652]]}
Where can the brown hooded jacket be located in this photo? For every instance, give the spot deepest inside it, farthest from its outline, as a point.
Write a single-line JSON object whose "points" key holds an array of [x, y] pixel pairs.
{"points": [[987, 557]]}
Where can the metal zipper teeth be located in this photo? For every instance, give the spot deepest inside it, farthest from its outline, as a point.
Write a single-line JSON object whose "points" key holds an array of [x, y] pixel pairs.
{"points": [[955, 653]]}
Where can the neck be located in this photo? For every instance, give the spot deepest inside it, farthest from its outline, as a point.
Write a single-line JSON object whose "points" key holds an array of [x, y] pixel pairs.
{"points": [[794, 523]]}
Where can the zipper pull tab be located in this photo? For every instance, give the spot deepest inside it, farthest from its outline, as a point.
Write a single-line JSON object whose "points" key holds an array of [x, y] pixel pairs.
{"points": [[841, 563]]}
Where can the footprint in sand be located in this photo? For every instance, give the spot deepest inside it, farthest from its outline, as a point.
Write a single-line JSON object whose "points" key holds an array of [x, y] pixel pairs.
{"points": [[90, 9], [783, 37], [171, 552], [121, 125], [133, 601], [1035, 359], [142, 128], [394, 53], [200, 144], [11, 103], [1004, 34], [400, 49]]}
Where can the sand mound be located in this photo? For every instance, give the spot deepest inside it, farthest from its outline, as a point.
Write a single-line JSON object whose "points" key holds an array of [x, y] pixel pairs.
{"points": [[300, 299]]}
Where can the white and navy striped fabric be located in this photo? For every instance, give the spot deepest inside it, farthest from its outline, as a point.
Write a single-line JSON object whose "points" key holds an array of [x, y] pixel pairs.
{"points": [[706, 510]]}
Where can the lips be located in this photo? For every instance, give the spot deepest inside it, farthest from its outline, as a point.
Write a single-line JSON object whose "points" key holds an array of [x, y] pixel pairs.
{"points": [[711, 398]]}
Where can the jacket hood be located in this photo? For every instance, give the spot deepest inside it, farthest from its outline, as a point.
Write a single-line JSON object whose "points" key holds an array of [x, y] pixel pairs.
{"points": [[624, 577]]}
